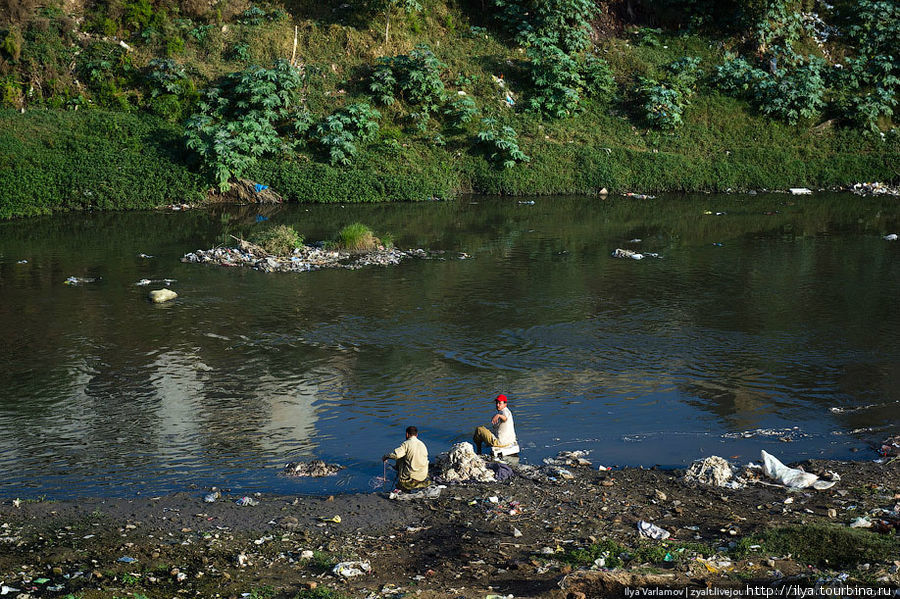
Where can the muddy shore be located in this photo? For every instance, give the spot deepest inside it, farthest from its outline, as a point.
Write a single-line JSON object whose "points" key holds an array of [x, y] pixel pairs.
{"points": [[519, 537]]}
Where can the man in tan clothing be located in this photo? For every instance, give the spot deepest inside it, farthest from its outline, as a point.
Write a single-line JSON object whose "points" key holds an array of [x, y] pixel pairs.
{"points": [[412, 462]]}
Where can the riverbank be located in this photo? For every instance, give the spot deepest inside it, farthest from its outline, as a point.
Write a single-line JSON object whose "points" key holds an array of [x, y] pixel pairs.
{"points": [[520, 538], [97, 160]]}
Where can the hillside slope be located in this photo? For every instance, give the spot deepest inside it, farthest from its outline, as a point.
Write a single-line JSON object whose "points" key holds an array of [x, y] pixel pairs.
{"points": [[135, 103]]}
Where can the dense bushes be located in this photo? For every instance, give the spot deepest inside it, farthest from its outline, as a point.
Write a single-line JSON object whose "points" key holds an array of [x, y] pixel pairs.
{"points": [[242, 119], [106, 160]]}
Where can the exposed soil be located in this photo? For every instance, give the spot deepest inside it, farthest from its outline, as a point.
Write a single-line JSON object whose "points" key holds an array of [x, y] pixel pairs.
{"points": [[461, 544]]}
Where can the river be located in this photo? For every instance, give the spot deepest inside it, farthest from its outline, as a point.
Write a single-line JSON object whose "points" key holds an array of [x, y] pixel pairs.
{"points": [[767, 322]]}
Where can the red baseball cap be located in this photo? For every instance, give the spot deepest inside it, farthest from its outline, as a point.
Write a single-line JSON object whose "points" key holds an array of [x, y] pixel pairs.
{"points": [[502, 398]]}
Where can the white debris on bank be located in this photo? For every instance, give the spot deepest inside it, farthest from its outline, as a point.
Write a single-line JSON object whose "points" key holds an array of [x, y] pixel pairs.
{"points": [[714, 471], [794, 477], [570, 458], [462, 464], [874, 189]]}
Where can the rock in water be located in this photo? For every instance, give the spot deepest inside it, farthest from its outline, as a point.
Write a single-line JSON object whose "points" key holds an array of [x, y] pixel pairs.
{"points": [[160, 296]]}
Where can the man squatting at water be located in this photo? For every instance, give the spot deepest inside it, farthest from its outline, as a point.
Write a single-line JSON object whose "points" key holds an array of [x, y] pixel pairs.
{"points": [[503, 441], [412, 462]]}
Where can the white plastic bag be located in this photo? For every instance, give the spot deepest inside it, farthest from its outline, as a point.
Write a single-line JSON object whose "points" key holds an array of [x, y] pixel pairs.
{"points": [[792, 477]]}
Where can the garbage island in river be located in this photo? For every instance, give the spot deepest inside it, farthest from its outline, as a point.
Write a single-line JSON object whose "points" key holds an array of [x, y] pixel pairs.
{"points": [[567, 529], [306, 257]]}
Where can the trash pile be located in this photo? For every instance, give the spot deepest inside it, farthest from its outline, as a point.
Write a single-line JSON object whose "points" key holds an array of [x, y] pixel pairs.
{"points": [[620, 253], [302, 259], [874, 189], [462, 464], [314, 468], [890, 447], [714, 471]]}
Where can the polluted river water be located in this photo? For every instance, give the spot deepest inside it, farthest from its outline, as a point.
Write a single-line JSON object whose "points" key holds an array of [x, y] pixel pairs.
{"points": [[763, 322]]}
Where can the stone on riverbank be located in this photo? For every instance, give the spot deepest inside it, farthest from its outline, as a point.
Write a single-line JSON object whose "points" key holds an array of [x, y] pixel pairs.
{"points": [[161, 296]]}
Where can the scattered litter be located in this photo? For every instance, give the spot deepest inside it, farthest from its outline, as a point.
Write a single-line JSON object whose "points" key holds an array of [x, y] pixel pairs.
{"points": [[335, 519], [527, 203], [800, 191], [351, 569], [639, 196], [793, 433], [652, 531], [891, 237], [314, 468], [80, 280], [461, 464], [246, 501], [713, 471], [144, 256], [429, 492], [620, 253], [861, 522], [792, 477], [22, 262], [874, 189], [261, 219], [126, 559], [259, 187], [211, 497], [569, 458], [161, 296], [5, 590]]}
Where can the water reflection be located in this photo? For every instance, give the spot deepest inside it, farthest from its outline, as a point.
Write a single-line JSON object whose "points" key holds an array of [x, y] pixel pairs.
{"points": [[772, 316]]}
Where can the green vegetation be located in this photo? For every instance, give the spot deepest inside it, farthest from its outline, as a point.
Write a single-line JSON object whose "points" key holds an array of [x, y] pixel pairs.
{"points": [[615, 555], [512, 96], [822, 545], [279, 240], [356, 237]]}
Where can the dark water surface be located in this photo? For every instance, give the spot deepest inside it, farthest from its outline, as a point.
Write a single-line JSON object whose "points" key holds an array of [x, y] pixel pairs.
{"points": [[748, 321]]}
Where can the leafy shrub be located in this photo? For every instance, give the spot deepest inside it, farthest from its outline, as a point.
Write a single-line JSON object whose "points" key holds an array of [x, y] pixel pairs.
{"points": [[12, 43], [414, 78], [279, 240], [597, 76], [662, 105], [663, 102], [254, 16], [339, 132], [165, 76], [460, 111], [866, 110], [10, 93], [556, 80], [501, 143], [562, 23], [100, 62], [242, 119], [683, 73], [737, 76], [797, 94]]}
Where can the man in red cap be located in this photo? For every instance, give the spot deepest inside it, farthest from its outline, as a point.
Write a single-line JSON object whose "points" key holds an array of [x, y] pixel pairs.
{"points": [[503, 440]]}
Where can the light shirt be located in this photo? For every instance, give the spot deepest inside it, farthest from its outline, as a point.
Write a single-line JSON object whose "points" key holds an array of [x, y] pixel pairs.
{"points": [[412, 460], [505, 431]]}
